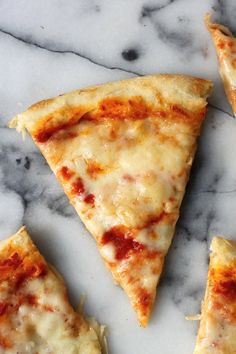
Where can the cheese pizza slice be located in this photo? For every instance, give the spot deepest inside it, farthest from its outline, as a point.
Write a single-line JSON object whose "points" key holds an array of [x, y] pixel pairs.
{"points": [[225, 45], [123, 152], [35, 314], [217, 332]]}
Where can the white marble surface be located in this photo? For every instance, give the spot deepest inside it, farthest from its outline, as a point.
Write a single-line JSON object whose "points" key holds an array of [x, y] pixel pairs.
{"points": [[49, 47]]}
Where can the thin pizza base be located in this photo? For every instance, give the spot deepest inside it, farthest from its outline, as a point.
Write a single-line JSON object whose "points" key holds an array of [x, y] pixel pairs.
{"points": [[217, 332], [122, 152], [35, 314], [225, 45]]}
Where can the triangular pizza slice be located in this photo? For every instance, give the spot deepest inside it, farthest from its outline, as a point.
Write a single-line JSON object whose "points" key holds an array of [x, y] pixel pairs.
{"points": [[122, 152], [217, 332], [225, 45], [35, 314]]}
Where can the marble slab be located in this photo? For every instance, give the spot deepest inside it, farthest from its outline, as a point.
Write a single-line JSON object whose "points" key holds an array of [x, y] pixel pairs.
{"points": [[50, 47]]}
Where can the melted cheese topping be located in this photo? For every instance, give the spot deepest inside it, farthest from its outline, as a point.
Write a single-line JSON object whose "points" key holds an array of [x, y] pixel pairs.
{"points": [[124, 161], [128, 175], [125, 173], [35, 315], [217, 333]]}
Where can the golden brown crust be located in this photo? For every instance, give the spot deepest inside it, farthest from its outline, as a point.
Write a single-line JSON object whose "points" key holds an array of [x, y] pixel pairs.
{"points": [[165, 84], [159, 89]]}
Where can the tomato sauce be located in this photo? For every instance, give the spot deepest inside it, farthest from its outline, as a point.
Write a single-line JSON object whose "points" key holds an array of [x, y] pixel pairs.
{"points": [[120, 108], [45, 134], [226, 288], [31, 299], [29, 271], [116, 108], [93, 169], [13, 262], [78, 187], [89, 199], [66, 173], [3, 308], [123, 242], [144, 300], [17, 269], [154, 219]]}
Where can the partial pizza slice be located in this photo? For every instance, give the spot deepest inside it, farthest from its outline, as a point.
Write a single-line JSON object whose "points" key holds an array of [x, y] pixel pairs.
{"points": [[35, 314], [225, 45], [123, 152], [217, 332]]}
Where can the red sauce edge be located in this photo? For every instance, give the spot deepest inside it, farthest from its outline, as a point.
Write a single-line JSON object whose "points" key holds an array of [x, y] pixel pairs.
{"points": [[154, 220], [66, 173], [79, 190], [45, 134], [13, 262], [123, 242], [3, 308], [118, 108], [144, 300], [31, 271], [17, 269], [109, 108], [89, 199], [226, 288], [78, 187]]}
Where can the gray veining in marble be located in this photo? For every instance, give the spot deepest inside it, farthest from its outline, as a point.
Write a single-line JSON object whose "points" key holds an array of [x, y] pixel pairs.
{"points": [[47, 48]]}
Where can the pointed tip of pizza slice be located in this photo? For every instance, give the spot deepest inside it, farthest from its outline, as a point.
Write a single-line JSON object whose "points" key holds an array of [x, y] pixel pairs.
{"points": [[217, 331], [35, 312], [123, 152], [138, 275], [225, 45]]}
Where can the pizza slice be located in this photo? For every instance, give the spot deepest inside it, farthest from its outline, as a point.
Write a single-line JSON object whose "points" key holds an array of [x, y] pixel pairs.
{"points": [[225, 45], [122, 152], [217, 332], [35, 314]]}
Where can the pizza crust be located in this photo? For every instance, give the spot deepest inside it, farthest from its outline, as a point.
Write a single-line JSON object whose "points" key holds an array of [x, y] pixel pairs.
{"points": [[162, 90], [225, 45]]}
